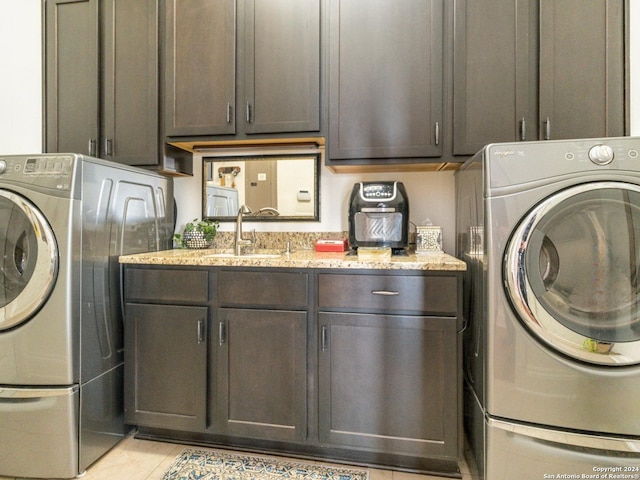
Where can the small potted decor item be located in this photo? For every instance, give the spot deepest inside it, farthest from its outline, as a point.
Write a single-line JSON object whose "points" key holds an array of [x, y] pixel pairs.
{"points": [[197, 234]]}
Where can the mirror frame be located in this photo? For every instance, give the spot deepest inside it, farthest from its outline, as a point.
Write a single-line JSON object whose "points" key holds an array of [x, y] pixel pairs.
{"points": [[246, 157]]}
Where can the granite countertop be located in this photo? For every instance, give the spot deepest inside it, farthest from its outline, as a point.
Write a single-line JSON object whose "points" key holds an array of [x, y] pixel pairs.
{"points": [[296, 259]]}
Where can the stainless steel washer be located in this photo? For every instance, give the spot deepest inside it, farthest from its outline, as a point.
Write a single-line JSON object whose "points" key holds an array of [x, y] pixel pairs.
{"points": [[64, 220], [550, 232]]}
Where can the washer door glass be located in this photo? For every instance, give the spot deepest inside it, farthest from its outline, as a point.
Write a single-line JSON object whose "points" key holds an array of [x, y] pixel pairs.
{"points": [[29, 260], [572, 268]]}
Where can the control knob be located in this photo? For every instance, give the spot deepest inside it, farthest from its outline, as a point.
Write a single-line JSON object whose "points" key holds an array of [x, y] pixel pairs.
{"points": [[3, 166], [601, 154]]}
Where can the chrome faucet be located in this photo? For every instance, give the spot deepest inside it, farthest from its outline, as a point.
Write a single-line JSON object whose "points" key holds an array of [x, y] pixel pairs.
{"points": [[240, 241]]}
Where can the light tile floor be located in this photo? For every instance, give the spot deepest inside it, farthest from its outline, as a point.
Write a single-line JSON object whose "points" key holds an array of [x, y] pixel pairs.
{"points": [[134, 459]]}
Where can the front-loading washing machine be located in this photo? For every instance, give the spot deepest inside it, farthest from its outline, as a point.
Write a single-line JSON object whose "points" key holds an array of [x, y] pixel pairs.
{"points": [[64, 220], [550, 232]]}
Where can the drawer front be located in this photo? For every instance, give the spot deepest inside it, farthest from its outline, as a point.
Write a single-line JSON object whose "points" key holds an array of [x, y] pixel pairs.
{"points": [[425, 294], [39, 424], [166, 285], [282, 289]]}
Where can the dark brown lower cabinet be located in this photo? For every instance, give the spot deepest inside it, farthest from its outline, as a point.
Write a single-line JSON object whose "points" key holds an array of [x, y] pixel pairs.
{"points": [[166, 366], [261, 366], [354, 365], [386, 383]]}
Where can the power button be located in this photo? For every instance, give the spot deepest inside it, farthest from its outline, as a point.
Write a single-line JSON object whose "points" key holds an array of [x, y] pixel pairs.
{"points": [[601, 154]]}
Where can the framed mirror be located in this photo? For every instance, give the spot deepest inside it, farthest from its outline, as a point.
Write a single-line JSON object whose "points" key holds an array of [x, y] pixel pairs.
{"points": [[275, 186]]}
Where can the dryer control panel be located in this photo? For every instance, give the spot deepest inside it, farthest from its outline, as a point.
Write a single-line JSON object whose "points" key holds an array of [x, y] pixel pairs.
{"points": [[525, 164], [601, 154]]}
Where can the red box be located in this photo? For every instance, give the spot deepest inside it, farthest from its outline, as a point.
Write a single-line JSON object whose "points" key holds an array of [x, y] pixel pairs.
{"points": [[331, 245]]}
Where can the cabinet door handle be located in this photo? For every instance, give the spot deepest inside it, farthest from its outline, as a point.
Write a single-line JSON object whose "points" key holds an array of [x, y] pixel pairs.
{"points": [[92, 147], [248, 112], [108, 147], [437, 133], [200, 331], [228, 112], [523, 129], [386, 293], [324, 338], [547, 129], [222, 334]]}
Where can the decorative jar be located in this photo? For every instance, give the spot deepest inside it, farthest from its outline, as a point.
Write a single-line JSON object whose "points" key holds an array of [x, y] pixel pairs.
{"points": [[428, 239]]}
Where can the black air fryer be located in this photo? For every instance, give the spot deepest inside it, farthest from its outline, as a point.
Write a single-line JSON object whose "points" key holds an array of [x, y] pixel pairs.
{"points": [[379, 215]]}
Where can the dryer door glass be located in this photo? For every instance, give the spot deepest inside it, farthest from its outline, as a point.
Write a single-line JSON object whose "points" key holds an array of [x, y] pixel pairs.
{"points": [[572, 271], [29, 260]]}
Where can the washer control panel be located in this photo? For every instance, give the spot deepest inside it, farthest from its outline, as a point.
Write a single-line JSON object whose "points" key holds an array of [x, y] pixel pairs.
{"points": [[601, 154], [49, 171]]}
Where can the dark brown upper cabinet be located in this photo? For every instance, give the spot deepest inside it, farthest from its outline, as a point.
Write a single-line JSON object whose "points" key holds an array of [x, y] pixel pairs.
{"points": [[245, 67], [102, 81], [385, 79], [538, 70]]}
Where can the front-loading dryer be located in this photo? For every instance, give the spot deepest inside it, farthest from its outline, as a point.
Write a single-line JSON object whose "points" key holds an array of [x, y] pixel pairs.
{"points": [[550, 232]]}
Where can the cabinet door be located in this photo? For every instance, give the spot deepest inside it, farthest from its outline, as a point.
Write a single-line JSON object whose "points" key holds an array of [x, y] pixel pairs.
{"points": [[386, 84], [165, 366], [130, 83], [261, 374], [389, 383], [72, 76], [200, 67], [281, 66], [582, 67], [495, 86]]}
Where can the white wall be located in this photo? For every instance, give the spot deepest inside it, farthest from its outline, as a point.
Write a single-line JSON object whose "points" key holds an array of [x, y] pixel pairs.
{"points": [[21, 77], [430, 194]]}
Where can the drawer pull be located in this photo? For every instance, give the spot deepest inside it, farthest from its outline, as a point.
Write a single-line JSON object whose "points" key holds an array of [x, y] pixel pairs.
{"points": [[386, 293]]}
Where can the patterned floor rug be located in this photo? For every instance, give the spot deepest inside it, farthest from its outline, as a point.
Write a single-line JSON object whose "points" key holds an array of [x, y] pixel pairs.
{"points": [[194, 464]]}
